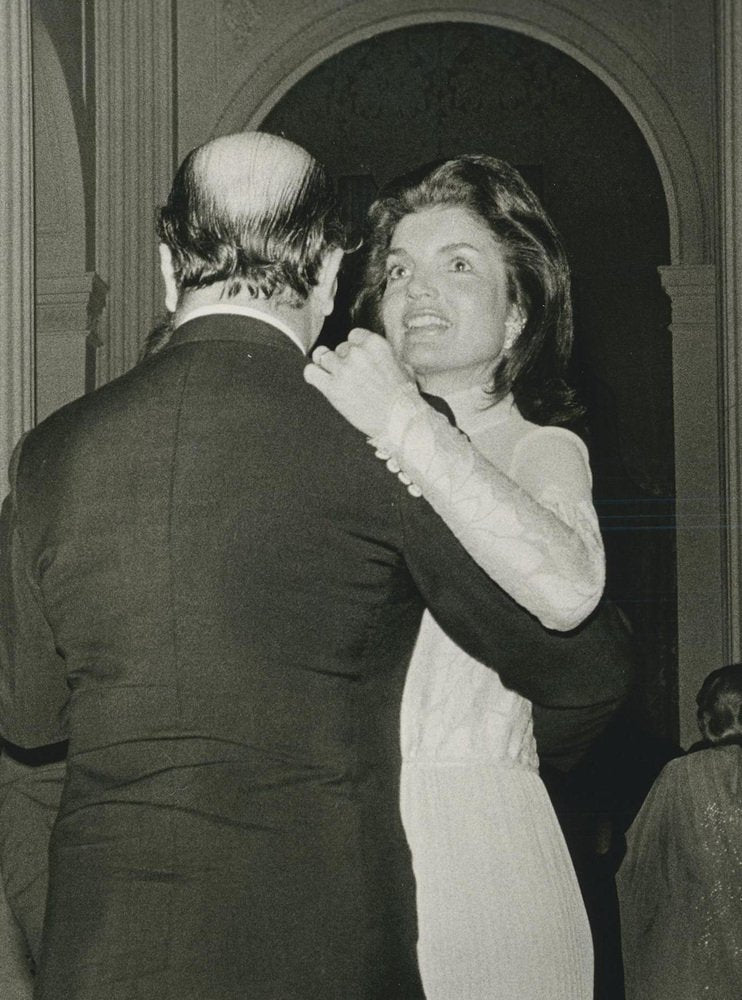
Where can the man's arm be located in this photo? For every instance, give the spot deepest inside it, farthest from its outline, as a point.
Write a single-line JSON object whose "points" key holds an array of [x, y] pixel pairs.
{"points": [[537, 535], [576, 679], [33, 689], [29, 800]]}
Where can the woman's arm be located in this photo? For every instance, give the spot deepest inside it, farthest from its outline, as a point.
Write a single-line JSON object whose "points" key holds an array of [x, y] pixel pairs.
{"points": [[544, 550]]}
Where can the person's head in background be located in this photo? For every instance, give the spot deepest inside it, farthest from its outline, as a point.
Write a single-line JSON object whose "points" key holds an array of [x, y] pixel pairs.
{"points": [[252, 219], [720, 705], [468, 279]]}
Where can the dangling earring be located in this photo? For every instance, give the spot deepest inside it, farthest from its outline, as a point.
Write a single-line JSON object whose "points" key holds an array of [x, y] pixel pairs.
{"points": [[513, 330]]}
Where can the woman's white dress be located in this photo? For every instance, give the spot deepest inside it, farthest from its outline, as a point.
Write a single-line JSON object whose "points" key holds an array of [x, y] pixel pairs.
{"points": [[499, 908]]}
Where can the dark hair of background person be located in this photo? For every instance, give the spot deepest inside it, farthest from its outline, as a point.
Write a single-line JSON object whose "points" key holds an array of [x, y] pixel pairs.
{"points": [[535, 260], [274, 249], [720, 705]]}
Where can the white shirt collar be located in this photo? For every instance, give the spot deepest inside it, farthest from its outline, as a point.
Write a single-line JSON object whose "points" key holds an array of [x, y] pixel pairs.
{"points": [[249, 311]]}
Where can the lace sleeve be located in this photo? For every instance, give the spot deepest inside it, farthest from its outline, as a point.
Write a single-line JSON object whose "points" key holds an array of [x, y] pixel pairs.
{"points": [[539, 541]]}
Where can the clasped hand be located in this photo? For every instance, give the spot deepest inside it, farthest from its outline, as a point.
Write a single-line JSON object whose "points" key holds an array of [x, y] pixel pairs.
{"points": [[361, 378]]}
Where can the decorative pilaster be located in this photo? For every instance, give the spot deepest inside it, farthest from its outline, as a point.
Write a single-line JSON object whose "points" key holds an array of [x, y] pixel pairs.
{"points": [[68, 310], [730, 84], [698, 464], [135, 139], [16, 226]]}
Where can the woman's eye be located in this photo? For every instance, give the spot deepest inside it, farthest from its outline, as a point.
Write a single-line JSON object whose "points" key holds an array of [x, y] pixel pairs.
{"points": [[460, 265], [396, 271]]}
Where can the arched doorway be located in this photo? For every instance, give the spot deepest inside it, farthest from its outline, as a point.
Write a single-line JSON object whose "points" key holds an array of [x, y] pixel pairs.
{"points": [[419, 93]]}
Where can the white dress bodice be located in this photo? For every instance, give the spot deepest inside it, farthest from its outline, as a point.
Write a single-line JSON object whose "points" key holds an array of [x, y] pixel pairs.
{"points": [[454, 709]]}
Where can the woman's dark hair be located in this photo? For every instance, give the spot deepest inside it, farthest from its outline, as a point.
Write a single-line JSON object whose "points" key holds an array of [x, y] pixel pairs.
{"points": [[720, 703], [536, 265], [271, 242]]}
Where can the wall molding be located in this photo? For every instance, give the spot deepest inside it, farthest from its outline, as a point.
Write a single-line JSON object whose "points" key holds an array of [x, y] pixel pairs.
{"points": [[699, 504], [71, 304], [16, 225], [730, 188], [68, 311], [135, 130]]}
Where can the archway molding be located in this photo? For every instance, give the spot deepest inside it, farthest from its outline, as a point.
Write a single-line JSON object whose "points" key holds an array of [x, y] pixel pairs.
{"points": [[607, 56]]}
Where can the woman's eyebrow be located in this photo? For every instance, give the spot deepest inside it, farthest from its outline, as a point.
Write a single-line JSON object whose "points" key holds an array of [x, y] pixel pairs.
{"points": [[447, 248], [459, 246]]}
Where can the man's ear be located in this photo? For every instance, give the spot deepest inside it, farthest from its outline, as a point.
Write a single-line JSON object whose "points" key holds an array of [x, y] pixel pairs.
{"points": [[327, 283], [167, 270]]}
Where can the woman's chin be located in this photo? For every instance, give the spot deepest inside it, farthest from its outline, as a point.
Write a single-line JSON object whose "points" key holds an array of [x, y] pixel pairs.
{"points": [[425, 355], [438, 383]]}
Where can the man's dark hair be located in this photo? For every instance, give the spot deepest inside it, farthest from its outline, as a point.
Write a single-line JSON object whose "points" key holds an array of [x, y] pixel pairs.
{"points": [[253, 211], [535, 261]]}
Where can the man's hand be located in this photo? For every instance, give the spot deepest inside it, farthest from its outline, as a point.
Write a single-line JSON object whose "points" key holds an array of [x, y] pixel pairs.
{"points": [[361, 378]]}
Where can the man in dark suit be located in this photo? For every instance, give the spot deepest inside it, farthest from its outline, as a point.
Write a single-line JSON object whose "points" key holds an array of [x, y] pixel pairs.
{"points": [[212, 587]]}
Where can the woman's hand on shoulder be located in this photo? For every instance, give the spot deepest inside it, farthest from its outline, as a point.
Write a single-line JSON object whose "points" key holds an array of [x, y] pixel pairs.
{"points": [[361, 378]]}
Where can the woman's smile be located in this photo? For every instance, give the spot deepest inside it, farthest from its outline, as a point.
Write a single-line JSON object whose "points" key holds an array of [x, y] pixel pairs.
{"points": [[417, 321]]}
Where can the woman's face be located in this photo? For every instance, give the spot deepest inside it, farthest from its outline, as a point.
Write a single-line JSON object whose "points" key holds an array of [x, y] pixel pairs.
{"points": [[445, 308]]}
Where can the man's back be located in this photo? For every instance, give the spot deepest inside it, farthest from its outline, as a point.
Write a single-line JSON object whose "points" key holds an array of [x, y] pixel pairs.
{"points": [[231, 584], [220, 565]]}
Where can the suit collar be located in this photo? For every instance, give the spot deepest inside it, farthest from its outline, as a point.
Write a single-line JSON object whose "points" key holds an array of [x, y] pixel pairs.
{"points": [[235, 327]]}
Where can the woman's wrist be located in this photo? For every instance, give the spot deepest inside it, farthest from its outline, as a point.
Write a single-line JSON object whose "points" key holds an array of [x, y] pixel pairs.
{"points": [[406, 406], [416, 442]]}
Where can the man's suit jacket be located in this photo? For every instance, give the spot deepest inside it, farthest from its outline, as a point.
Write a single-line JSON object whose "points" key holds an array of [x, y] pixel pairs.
{"points": [[212, 587]]}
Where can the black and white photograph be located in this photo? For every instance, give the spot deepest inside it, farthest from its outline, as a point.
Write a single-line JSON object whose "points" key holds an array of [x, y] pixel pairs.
{"points": [[370, 467]]}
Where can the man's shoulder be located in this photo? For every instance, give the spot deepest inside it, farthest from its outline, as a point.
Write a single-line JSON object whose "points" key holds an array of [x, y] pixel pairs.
{"points": [[221, 385], [92, 414]]}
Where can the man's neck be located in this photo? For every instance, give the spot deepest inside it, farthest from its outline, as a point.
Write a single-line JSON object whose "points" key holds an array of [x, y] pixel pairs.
{"points": [[297, 318]]}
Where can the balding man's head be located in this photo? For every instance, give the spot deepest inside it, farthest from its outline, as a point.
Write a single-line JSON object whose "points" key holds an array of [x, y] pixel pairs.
{"points": [[254, 211]]}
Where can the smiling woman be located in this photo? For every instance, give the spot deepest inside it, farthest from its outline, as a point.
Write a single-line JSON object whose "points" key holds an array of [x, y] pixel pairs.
{"points": [[470, 243], [446, 308], [467, 279]]}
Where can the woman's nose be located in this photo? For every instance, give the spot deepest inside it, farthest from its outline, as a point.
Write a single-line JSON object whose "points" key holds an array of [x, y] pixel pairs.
{"points": [[420, 285]]}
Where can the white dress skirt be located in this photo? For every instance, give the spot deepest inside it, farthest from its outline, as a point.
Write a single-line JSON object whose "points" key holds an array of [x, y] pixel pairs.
{"points": [[500, 912]]}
